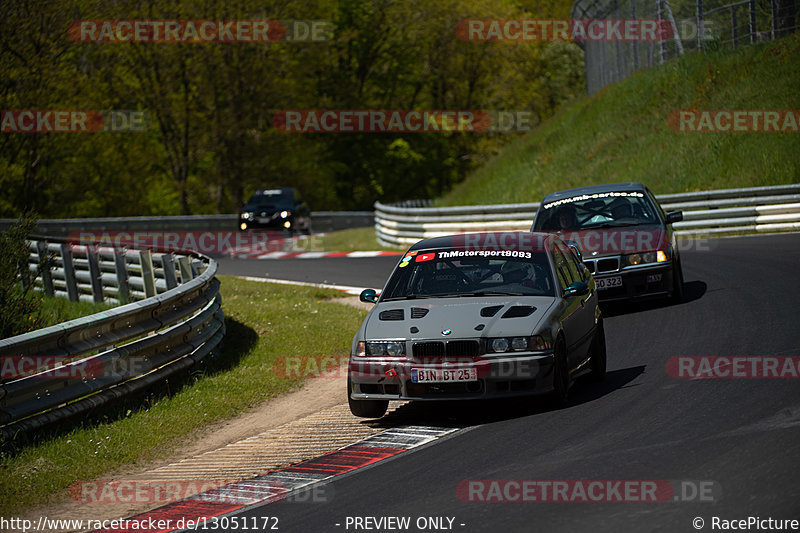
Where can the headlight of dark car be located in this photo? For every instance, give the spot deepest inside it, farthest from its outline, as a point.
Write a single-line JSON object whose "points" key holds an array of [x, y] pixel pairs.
{"points": [[285, 214], [247, 215], [659, 256]]}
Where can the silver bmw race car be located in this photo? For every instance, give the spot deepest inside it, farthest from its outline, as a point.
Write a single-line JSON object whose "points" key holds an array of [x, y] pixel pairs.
{"points": [[477, 316]]}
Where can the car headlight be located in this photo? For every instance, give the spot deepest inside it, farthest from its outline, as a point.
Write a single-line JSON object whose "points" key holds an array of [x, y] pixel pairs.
{"points": [[247, 216], [388, 348], [659, 256], [518, 344], [284, 214]]}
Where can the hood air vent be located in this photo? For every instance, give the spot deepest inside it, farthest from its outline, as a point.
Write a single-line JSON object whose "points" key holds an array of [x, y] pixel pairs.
{"points": [[418, 312], [490, 311], [391, 314], [519, 311]]}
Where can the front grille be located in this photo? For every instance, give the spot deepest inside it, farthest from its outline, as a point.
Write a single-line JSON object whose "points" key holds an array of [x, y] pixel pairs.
{"points": [[428, 349], [463, 348], [609, 264], [590, 264]]}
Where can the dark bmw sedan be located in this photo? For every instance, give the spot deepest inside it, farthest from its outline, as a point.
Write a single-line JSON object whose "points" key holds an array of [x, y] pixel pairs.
{"points": [[625, 237], [279, 209]]}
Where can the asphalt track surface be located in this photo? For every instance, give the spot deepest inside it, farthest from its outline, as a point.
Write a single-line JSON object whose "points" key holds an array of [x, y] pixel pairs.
{"points": [[741, 435]]}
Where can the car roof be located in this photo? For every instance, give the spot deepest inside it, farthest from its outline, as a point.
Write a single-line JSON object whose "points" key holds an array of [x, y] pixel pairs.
{"points": [[592, 189], [282, 189], [446, 241]]}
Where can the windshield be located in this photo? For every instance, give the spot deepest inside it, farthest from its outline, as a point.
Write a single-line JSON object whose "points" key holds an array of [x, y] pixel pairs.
{"points": [[612, 209], [441, 273], [272, 196]]}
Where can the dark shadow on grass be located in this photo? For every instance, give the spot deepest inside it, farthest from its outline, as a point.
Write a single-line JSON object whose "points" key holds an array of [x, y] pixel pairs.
{"points": [[692, 290], [463, 413], [238, 341]]}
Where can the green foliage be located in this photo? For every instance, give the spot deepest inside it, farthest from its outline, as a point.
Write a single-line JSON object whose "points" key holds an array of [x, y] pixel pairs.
{"points": [[211, 143], [19, 306], [621, 134]]}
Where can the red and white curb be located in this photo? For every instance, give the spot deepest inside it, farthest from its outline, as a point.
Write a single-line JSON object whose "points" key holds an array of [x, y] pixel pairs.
{"points": [[344, 288], [310, 255], [276, 486]]}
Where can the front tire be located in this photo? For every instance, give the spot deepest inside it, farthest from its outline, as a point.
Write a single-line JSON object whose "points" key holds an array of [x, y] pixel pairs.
{"points": [[365, 408]]}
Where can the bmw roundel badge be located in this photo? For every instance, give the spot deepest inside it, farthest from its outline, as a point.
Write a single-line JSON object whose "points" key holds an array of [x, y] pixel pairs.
{"points": [[446, 332]]}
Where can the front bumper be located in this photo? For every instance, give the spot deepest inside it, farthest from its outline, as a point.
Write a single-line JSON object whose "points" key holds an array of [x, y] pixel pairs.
{"points": [[520, 374], [639, 283], [274, 222]]}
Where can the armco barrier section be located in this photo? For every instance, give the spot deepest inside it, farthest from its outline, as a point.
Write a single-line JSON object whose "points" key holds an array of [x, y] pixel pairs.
{"points": [[321, 221], [754, 209], [81, 364]]}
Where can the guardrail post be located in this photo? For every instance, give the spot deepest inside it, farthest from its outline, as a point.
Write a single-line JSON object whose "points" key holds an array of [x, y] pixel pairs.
{"points": [[121, 267], [69, 273], [148, 278], [95, 275], [168, 263], [47, 277], [184, 263], [752, 21]]}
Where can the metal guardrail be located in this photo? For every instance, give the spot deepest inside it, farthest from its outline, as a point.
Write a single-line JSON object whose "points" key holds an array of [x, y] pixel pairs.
{"points": [[321, 221], [84, 363], [753, 209]]}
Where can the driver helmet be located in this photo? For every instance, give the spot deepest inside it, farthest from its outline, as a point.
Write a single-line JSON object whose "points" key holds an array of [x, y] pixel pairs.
{"points": [[517, 271], [566, 217]]}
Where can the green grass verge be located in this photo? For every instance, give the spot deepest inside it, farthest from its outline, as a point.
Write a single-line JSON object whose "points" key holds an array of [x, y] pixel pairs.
{"points": [[56, 310], [621, 133], [349, 240], [264, 321]]}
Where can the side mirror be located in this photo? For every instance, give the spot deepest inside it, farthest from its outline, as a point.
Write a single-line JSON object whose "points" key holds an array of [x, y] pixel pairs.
{"points": [[576, 250], [369, 296], [579, 288], [674, 216]]}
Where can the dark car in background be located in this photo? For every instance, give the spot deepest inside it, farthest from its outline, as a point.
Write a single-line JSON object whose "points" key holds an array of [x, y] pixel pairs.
{"points": [[279, 209], [625, 237]]}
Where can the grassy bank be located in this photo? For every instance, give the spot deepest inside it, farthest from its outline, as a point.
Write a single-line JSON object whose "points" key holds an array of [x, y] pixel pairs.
{"points": [[349, 240], [621, 134], [264, 321]]}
